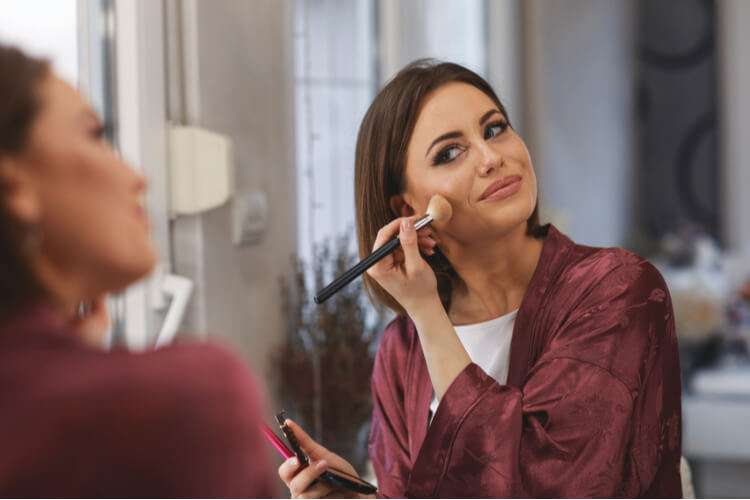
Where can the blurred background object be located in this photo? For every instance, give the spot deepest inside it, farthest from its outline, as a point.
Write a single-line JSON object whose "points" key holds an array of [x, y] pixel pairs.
{"points": [[636, 114], [323, 366]]}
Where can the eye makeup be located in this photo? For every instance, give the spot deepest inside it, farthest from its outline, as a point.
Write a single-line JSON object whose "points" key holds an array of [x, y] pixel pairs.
{"points": [[501, 125], [451, 151], [445, 155]]}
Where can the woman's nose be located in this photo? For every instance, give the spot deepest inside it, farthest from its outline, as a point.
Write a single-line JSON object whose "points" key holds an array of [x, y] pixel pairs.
{"points": [[490, 161]]}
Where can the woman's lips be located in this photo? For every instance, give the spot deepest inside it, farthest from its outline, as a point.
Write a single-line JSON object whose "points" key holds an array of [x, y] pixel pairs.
{"points": [[498, 190]]}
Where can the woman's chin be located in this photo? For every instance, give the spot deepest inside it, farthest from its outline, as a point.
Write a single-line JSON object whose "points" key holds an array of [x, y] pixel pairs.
{"points": [[509, 220], [150, 259], [133, 269]]}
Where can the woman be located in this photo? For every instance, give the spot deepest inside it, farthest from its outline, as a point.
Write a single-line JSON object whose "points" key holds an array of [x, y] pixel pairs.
{"points": [[78, 421], [520, 363]]}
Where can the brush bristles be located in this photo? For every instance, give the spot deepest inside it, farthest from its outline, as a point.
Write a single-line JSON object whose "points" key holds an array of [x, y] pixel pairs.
{"points": [[439, 208]]}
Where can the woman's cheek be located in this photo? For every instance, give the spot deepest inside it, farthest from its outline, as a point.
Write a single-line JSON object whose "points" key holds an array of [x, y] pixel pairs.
{"points": [[532, 196]]}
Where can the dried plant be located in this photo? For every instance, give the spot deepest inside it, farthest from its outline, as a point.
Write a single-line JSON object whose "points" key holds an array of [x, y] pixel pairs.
{"points": [[324, 365]]}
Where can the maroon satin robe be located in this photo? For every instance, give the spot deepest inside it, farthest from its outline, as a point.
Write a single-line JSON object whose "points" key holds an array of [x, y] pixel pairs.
{"points": [[591, 407], [181, 421]]}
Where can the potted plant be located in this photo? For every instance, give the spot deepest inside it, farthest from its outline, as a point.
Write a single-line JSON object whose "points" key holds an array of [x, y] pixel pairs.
{"points": [[324, 365]]}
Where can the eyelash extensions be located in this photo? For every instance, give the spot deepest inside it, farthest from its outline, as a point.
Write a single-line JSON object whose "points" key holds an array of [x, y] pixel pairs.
{"points": [[441, 156]]}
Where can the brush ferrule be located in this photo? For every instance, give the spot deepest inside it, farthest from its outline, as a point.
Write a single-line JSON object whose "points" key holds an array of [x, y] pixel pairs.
{"points": [[422, 222]]}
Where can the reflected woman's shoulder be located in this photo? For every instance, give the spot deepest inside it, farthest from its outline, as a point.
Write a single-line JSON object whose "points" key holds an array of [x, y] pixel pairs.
{"points": [[186, 375]]}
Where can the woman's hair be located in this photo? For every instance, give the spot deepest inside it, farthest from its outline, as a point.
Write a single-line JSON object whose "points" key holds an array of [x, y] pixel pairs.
{"points": [[380, 161], [20, 77]]}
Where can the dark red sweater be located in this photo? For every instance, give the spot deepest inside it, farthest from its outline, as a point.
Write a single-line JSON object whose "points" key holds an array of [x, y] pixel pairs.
{"points": [[179, 421]]}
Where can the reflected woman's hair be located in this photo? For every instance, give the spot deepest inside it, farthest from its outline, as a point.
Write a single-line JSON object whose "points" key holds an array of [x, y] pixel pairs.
{"points": [[380, 162], [19, 105]]}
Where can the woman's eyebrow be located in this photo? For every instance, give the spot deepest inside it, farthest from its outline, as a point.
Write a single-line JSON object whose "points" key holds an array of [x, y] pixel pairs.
{"points": [[456, 134], [449, 135], [487, 116]]}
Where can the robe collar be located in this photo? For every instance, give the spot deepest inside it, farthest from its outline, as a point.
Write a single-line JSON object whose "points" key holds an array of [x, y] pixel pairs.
{"points": [[528, 339]]}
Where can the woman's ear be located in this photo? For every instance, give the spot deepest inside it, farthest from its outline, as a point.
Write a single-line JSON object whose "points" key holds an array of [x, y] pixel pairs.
{"points": [[19, 192], [400, 207]]}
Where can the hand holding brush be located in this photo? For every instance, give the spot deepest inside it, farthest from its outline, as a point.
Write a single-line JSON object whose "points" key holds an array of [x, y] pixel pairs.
{"points": [[439, 209]]}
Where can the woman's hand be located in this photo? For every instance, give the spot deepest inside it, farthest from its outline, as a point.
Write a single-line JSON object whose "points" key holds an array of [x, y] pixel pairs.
{"points": [[404, 273], [299, 481], [410, 280]]}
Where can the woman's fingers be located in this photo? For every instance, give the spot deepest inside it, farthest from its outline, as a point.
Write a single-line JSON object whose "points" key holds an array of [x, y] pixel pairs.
{"points": [[408, 237], [392, 229], [288, 469], [395, 261], [427, 244], [386, 233], [322, 489], [302, 481], [308, 444]]}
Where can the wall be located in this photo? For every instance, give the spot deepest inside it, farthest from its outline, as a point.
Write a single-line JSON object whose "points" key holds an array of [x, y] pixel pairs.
{"points": [[237, 80], [578, 74], [448, 30], [335, 83], [734, 123]]}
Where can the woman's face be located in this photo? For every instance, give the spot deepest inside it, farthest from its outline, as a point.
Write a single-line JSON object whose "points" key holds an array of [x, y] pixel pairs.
{"points": [[463, 149], [85, 201]]}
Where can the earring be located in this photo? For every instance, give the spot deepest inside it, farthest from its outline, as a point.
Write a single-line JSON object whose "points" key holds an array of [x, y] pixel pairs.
{"points": [[32, 241]]}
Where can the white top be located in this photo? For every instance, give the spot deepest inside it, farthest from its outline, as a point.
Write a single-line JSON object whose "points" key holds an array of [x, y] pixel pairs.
{"points": [[488, 345]]}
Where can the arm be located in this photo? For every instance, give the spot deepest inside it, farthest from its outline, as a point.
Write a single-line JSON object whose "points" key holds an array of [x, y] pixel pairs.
{"points": [[408, 277], [444, 353], [553, 439], [389, 435]]}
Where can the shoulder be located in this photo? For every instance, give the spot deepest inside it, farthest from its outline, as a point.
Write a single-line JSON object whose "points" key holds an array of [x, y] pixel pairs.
{"points": [[189, 411], [617, 310], [609, 273], [569, 274], [193, 375], [202, 384]]}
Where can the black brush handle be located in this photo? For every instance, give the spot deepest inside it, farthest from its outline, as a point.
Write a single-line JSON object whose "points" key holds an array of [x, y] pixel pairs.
{"points": [[355, 271]]}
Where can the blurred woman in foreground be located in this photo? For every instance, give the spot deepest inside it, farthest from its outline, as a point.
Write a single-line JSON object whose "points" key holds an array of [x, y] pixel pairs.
{"points": [[78, 421]]}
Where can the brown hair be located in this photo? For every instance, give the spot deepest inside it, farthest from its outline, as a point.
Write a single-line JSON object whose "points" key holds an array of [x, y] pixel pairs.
{"points": [[20, 76], [380, 161]]}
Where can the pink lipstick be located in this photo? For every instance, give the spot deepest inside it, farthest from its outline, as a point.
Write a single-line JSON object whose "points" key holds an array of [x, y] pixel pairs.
{"points": [[503, 188]]}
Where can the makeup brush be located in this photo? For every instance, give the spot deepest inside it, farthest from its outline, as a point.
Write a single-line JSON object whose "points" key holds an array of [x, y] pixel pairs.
{"points": [[439, 209]]}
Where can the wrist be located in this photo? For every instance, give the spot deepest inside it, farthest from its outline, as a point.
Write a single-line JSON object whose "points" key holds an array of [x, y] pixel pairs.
{"points": [[426, 310]]}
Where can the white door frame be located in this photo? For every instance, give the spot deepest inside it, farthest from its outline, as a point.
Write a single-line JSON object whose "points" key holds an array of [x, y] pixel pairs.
{"points": [[131, 90]]}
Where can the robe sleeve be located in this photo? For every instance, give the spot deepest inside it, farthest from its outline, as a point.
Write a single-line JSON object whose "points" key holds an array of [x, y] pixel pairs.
{"points": [[569, 430], [388, 440]]}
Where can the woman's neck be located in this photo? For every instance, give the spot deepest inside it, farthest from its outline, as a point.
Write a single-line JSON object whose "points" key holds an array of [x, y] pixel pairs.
{"points": [[62, 288], [494, 275]]}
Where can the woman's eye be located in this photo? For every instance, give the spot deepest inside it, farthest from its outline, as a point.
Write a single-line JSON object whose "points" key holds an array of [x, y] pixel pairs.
{"points": [[447, 155], [495, 129]]}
